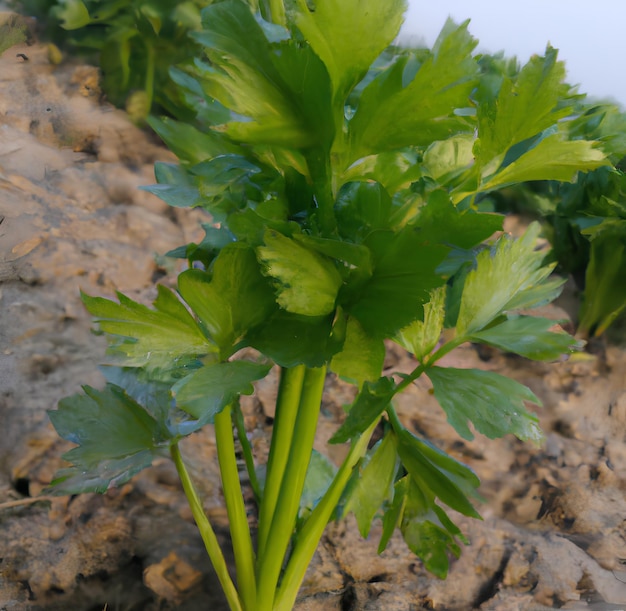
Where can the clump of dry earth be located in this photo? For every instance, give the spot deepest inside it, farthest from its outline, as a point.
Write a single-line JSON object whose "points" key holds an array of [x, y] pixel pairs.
{"points": [[554, 529]]}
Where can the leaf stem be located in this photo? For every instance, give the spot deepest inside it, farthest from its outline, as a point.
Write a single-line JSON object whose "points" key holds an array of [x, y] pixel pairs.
{"points": [[246, 448], [309, 536], [285, 514], [238, 520], [287, 402], [206, 532], [321, 174], [427, 363]]}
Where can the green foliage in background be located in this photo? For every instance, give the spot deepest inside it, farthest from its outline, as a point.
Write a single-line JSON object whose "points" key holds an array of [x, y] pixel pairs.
{"points": [[134, 42], [585, 220]]}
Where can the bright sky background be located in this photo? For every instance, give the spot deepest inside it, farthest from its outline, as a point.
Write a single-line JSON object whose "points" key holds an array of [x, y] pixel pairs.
{"points": [[590, 35]]}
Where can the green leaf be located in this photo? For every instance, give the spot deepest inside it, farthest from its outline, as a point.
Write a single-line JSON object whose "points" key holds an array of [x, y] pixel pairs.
{"points": [[370, 403], [292, 339], [215, 239], [361, 357], [501, 275], [188, 143], [393, 512], [205, 110], [206, 392], [428, 531], [552, 159], [523, 108], [605, 287], [231, 300], [306, 282], [166, 338], [283, 88], [537, 296], [413, 103], [373, 483], [394, 170], [493, 403], [115, 437], [440, 221], [445, 159], [362, 207], [152, 394], [421, 337], [348, 58], [528, 336], [437, 473], [404, 273], [176, 186]]}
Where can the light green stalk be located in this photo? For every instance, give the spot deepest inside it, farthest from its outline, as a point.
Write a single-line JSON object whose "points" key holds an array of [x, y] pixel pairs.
{"points": [[309, 536], [287, 403], [284, 519], [206, 532], [238, 520]]}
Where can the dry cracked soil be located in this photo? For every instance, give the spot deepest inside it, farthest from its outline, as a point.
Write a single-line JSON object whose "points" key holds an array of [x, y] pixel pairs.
{"points": [[73, 217]]}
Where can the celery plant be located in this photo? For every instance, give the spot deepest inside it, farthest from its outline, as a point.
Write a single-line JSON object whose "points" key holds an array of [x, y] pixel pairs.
{"points": [[340, 175]]}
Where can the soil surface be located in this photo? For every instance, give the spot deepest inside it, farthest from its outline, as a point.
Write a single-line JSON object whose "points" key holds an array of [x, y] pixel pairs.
{"points": [[554, 528]]}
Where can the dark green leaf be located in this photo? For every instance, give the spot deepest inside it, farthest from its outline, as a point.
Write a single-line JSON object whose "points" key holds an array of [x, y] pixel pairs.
{"points": [[206, 392], [292, 339], [493, 403], [233, 299], [373, 483], [215, 239], [370, 403], [179, 196], [361, 208], [153, 395], [428, 531], [116, 438], [393, 512], [404, 273], [440, 221], [188, 143], [437, 473]]}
